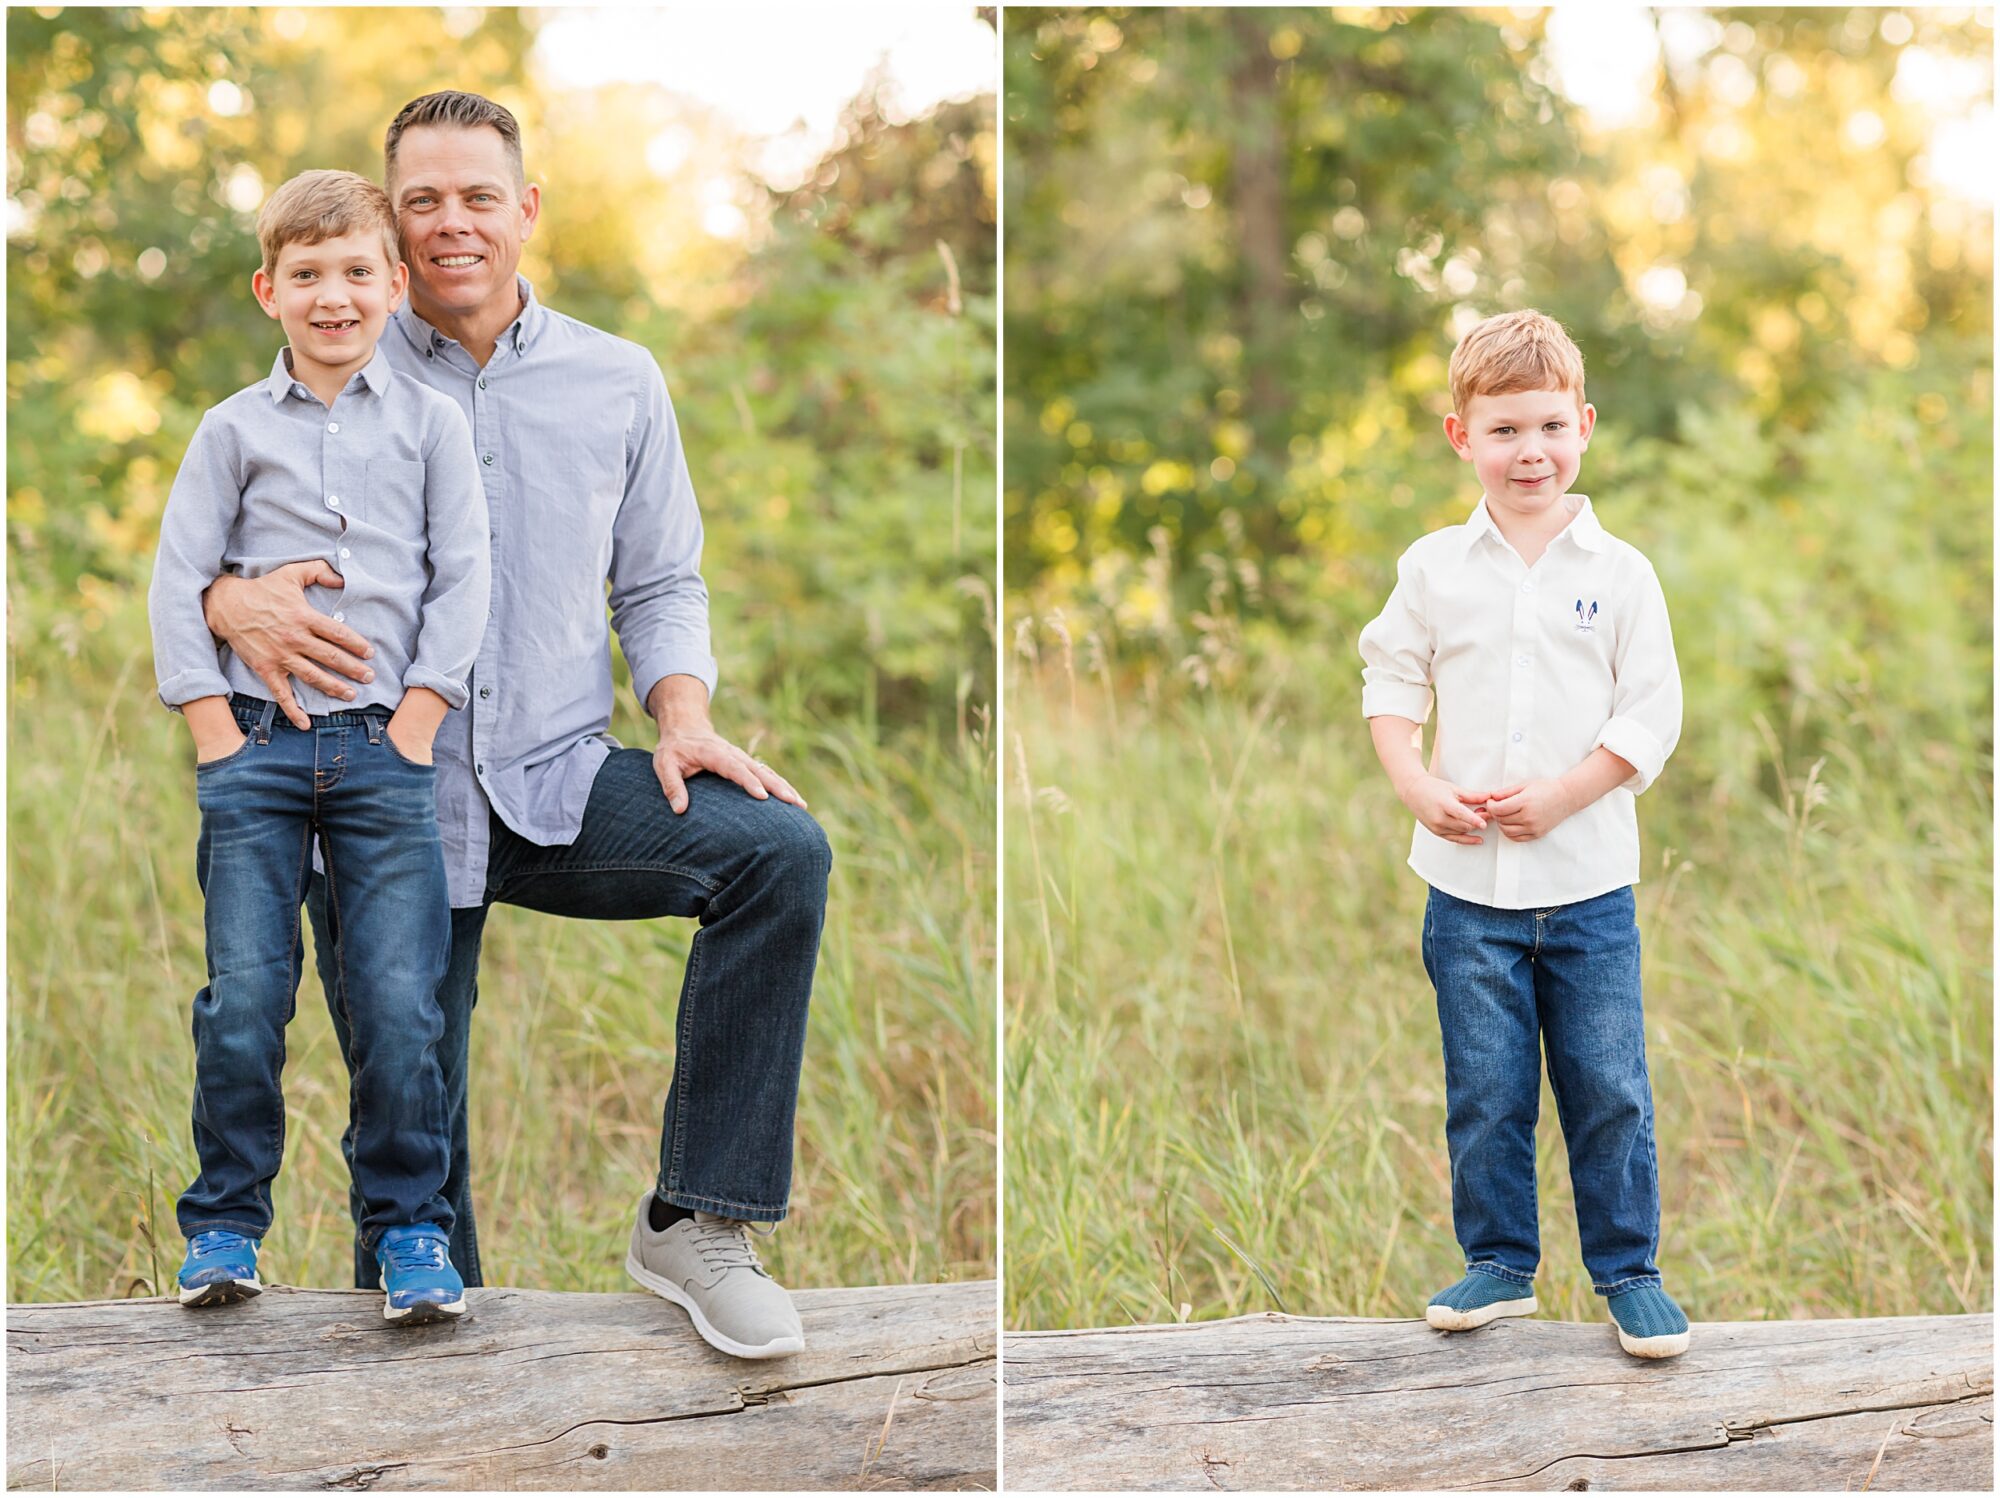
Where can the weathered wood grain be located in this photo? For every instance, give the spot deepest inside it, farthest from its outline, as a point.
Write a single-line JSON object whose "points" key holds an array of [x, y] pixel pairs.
{"points": [[1294, 1403], [309, 1389]]}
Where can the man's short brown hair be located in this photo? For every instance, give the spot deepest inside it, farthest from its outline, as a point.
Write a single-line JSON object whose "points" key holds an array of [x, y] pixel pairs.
{"points": [[320, 205], [461, 110], [1525, 350]]}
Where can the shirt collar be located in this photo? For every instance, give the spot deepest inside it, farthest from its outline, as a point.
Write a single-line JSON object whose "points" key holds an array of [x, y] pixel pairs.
{"points": [[518, 334], [1582, 529], [376, 374]]}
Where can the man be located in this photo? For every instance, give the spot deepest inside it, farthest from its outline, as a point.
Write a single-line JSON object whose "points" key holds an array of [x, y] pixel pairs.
{"points": [[585, 482]]}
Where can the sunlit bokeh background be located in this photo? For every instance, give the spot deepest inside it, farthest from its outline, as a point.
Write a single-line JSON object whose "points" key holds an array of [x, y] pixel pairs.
{"points": [[796, 215], [1240, 246]]}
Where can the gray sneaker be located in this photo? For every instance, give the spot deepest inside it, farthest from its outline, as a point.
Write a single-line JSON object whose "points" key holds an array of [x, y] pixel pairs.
{"points": [[708, 1267]]}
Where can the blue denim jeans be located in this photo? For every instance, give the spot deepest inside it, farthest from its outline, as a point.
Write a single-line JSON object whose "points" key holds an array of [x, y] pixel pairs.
{"points": [[1510, 982], [375, 814], [754, 874]]}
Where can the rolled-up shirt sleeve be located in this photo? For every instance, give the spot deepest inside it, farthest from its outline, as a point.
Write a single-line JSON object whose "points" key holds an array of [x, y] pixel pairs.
{"points": [[1645, 721], [1396, 652], [194, 533], [659, 603], [458, 547]]}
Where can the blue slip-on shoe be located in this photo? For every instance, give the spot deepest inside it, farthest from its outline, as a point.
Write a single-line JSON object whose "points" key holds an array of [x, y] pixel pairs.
{"points": [[1648, 1322], [418, 1275], [220, 1269], [1476, 1300]]}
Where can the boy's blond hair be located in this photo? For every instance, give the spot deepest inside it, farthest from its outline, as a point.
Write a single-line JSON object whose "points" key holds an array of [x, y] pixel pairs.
{"points": [[320, 205], [1525, 350]]}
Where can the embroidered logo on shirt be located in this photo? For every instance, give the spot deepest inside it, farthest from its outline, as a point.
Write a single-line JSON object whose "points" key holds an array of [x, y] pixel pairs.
{"points": [[1586, 620]]}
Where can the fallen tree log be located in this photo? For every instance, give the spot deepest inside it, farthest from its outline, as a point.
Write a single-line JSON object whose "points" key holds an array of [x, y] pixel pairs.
{"points": [[1295, 1403], [530, 1389]]}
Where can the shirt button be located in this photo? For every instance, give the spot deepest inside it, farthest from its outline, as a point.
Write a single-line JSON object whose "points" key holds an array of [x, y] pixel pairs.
{"points": [[333, 426], [345, 552], [1528, 587], [333, 501], [487, 460], [479, 769], [482, 382], [342, 619], [486, 691], [1517, 737], [1519, 660]]}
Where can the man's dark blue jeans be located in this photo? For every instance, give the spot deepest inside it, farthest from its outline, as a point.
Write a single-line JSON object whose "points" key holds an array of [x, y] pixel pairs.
{"points": [[1509, 982], [754, 874], [375, 814]]}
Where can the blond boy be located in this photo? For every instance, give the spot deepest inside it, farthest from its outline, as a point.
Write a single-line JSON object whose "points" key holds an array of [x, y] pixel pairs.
{"points": [[333, 459]]}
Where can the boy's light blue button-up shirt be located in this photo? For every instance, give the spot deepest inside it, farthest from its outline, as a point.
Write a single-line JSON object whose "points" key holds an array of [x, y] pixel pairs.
{"points": [[585, 483], [383, 488]]}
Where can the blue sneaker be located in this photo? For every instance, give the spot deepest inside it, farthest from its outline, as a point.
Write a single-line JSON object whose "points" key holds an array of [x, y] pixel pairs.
{"points": [[1649, 1324], [220, 1269], [417, 1273], [1476, 1300]]}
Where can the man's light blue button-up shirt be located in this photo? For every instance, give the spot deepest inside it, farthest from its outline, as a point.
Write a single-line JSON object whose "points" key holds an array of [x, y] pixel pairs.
{"points": [[383, 488], [585, 482]]}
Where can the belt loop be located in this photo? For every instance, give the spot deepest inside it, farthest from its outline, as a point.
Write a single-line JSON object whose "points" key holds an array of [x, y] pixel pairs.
{"points": [[374, 722], [264, 722]]}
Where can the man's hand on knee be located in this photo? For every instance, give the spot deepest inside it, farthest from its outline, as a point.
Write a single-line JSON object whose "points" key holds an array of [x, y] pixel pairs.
{"points": [[686, 754], [274, 631], [689, 745]]}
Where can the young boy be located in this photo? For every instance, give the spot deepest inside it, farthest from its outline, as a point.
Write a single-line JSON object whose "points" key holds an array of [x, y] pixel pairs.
{"points": [[1558, 700], [331, 459]]}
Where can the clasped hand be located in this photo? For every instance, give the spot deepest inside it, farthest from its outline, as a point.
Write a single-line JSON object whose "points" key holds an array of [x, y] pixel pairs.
{"points": [[1523, 812]]}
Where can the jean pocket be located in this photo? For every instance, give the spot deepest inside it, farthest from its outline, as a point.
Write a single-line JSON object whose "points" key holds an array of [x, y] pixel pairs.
{"points": [[230, 758], [414, 764]]}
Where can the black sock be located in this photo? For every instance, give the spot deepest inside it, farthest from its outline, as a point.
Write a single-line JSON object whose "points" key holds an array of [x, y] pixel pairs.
{"points": [[662, 1215]]}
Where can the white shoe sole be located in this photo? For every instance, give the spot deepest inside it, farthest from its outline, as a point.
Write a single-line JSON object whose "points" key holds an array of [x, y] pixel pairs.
{"points": [[1672, 1345], [668, 1290], [1445, 1319], [221, 1293], [422, 1311]]}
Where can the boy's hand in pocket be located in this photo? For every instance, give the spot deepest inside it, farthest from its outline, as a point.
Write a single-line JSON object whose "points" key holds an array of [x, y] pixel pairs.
{"points": [[413, 726]]}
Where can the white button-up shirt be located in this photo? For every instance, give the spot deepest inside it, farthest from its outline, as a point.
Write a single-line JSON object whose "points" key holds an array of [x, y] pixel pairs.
{"points": [[1533, 669]]}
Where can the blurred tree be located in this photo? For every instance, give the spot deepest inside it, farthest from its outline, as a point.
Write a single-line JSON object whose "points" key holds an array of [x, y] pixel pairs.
{"points": [[833, 370], [1241, 244]]}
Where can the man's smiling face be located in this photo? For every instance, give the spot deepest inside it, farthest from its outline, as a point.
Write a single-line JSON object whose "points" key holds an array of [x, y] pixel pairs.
{"points": [[464, 216]]}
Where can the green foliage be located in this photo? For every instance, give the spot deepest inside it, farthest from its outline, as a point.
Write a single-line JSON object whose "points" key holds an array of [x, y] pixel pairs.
{"points": [[836, 399], [1240, 245], [833, 374], [1216, 1015], [894, 1178]]}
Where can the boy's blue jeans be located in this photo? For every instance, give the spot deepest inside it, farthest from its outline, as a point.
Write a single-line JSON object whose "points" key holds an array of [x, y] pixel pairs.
{"points": [[375, 814], [754, 873], [1509, 982]]}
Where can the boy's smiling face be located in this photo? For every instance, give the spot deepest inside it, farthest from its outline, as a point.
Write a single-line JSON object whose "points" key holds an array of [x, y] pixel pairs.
{"points": [[332, 298], [1525, 446]]}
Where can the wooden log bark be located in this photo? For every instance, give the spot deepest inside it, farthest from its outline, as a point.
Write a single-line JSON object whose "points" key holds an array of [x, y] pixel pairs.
{"points": [[310, 1389], [1295, 1403]]}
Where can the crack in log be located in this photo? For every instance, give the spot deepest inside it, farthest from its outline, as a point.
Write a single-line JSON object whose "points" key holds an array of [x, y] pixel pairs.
{"points": [[1738, 1435], [746, 1399]]}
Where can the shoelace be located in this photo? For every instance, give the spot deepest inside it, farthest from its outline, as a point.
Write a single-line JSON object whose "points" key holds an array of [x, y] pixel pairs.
{"points": [[216, 1241], [724, 1242], [423, 1252]]}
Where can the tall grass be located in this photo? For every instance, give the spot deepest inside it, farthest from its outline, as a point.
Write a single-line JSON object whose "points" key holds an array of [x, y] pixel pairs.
{"points": [[1224, 1089], [572, 1041]]}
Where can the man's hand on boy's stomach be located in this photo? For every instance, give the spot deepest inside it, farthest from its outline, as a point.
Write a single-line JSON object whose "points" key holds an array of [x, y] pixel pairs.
{"points": [[1530, 810], [274, 631], [1446, 810]]}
